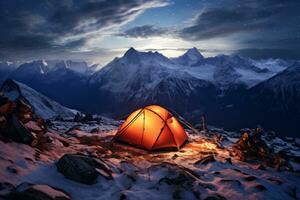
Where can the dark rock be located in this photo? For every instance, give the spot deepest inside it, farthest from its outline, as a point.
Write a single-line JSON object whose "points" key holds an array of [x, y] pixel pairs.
{"points": [[123, 197], [205, 160], [78, 117], [7, 108], [12, 169], [260, 187], [27, 191], [3, 99], [261, 167], [88, 117], [228, 160], [75, 167], [5, 189], [251, 146], [250, 178], [19, 123], [174, 157], [215, 197], [16, 131], [82, 169], [95, 130]]}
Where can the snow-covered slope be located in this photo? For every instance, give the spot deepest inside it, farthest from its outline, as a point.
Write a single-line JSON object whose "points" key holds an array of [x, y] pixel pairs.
{"points": [[274, 103], [42, 105], [134, 71], [243, 70], [281, 91]]}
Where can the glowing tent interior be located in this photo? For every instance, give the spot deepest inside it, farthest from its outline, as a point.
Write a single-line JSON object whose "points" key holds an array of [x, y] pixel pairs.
{"points": [[152, 128]]}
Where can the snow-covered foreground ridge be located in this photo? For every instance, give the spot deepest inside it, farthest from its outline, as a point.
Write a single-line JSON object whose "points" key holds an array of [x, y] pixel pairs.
{"points": [[43, 106], [202, 169]]}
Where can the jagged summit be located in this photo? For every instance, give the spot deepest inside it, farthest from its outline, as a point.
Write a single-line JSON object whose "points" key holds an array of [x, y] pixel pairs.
{"points": [[194, 52], [190, 57], [131, 51]]}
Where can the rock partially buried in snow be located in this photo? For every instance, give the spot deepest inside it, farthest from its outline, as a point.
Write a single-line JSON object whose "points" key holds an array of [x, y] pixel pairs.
{"points": [[82, 169], [205, 160], [27, 191]]}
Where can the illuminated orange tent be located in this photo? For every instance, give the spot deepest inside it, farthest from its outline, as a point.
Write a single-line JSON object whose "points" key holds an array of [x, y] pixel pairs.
{"points": [[152, 127]]}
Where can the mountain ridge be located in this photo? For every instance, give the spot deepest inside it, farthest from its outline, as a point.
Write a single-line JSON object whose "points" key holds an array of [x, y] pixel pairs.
{"points": [[213, 86]]}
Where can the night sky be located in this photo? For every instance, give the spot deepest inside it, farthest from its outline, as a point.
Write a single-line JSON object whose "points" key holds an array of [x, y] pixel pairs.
{"points": [[98, 30]]}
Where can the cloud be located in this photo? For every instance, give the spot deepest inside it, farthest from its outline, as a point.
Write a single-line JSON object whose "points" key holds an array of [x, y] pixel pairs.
{"points": [[268, 53], [249, 24], [59, 25], [145, 31]]}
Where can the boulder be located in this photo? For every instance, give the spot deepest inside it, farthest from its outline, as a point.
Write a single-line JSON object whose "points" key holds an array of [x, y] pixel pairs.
{"points": [[27, 191], [251, 146], [15, 130], [18, 123], [5, 189], [82, 169]]}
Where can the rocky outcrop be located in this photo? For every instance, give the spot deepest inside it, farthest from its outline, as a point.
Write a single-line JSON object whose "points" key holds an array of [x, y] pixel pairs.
{"points": [[82, 169], [18, 123], [251, 147]]}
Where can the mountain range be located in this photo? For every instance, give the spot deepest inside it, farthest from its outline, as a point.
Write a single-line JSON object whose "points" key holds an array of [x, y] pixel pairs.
{"points": [[232, 91]]}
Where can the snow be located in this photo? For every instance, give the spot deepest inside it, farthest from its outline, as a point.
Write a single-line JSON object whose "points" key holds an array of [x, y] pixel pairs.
{"points": [[251, 78], [274, 65], [204, 72], [139, 174]]}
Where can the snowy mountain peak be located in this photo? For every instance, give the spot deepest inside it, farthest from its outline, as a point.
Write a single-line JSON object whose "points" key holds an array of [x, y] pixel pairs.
{"points": [[131, 51], [190, 57], [134, 57], [194, 53]]}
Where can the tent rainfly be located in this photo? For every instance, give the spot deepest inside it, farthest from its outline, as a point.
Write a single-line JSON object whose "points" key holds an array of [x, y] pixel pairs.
{"points": [[152, 128]]}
